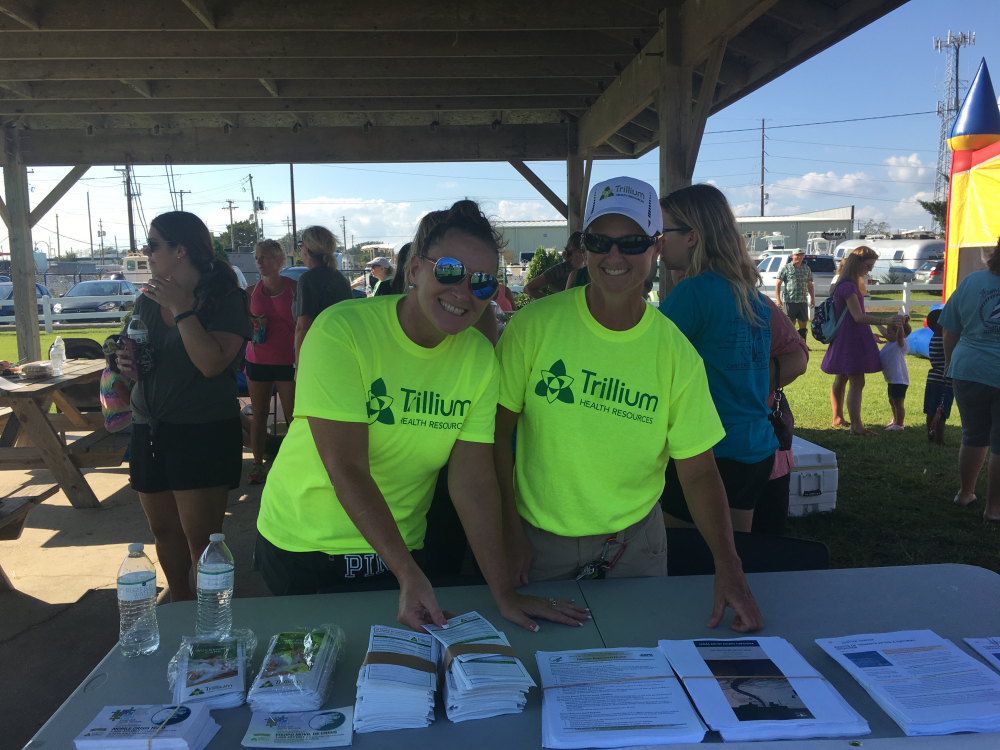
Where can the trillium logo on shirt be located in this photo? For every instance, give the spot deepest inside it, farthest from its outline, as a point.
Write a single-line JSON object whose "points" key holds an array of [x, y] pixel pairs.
{"points": [[555, 384], [379, 404]]}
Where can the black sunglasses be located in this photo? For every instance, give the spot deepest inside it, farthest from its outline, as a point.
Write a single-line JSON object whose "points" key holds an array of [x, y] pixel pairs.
{"points": [[635, 244], [449, 271]]}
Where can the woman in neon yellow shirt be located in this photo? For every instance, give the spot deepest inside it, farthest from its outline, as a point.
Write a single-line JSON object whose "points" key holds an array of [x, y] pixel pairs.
{"points": [[603, 391], [389, 390]]}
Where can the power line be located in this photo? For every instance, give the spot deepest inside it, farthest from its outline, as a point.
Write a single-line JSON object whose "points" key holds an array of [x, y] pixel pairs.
{"points": [[826, 122], [846, 145]]}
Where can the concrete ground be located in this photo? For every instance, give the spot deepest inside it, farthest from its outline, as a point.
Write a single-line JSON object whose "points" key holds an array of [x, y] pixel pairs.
{"points": [[63, 617]]}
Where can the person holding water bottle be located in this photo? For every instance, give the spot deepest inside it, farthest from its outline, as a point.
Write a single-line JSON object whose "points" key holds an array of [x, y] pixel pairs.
{"points": [[187, 442]]}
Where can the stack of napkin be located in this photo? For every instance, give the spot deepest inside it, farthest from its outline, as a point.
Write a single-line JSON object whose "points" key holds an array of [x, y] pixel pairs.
{"points": [[397, 681], [297, 671]]}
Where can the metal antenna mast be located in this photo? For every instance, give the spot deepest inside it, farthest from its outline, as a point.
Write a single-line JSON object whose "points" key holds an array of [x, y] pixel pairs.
{"points": [[947, 109]]}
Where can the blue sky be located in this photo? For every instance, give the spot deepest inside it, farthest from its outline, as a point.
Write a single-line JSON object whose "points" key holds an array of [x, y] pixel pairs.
{"points": [[879, 166]]}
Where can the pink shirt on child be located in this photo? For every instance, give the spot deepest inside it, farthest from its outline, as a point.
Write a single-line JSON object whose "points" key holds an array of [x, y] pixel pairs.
{"points": [[784, 340]]}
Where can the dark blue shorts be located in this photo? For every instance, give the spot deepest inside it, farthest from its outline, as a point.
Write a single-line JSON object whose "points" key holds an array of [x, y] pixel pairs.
{"points": [[933, 393]]}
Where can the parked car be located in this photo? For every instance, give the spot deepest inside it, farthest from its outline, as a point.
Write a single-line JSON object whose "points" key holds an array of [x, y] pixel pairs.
{"points": [[823, 268], [5, 278], [240, 277], [931, 272], [7, 295], [69, 303]]}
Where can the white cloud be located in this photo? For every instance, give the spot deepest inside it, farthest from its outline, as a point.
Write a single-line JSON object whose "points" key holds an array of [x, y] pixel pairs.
{"points": [[815, 184], [907, 168], [526, 211], [366, 219], [448, 185]]}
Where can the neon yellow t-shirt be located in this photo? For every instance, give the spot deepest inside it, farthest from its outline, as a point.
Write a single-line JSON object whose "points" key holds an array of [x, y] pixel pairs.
{"points": [[601, 413], [357, 365]]}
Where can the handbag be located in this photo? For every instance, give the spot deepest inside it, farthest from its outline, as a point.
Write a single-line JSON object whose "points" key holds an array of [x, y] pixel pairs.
{"points": [[781, 418]]}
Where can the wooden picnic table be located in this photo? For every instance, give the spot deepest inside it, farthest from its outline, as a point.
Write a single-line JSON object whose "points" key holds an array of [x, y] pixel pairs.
{"points": [[30, 422]]}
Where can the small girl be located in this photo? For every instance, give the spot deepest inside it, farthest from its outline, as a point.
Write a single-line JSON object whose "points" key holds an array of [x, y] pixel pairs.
{"points": [[116, 397], [892, 357]]}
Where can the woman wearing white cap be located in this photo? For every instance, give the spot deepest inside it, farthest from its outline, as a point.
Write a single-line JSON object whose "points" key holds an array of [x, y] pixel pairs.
{"points": [[596, 371]]}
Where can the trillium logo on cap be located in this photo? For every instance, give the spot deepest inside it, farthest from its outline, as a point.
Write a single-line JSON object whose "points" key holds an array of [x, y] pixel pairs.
{"points": [[607, 194], [555, 384]]}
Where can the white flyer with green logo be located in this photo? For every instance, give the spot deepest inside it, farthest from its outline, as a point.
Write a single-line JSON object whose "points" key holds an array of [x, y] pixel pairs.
{"points": [[300, 729]]}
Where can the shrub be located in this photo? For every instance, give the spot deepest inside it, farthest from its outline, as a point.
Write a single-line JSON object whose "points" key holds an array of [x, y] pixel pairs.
{"points": [[542, 262]]}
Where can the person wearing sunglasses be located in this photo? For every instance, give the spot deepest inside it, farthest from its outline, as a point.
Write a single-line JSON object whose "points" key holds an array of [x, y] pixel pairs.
{"points": [[390, 389], [319, 287], [720, 309], [598, 373]]}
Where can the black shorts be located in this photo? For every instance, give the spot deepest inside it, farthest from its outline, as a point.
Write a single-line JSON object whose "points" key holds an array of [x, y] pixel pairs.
{"points": [[797, 311], [269, 373], [897, 391], [935, 395], [186, 456], [979, 406], [743, 482]]}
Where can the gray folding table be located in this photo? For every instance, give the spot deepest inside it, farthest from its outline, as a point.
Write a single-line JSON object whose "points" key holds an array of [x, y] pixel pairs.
{"points": [[955, 601]]}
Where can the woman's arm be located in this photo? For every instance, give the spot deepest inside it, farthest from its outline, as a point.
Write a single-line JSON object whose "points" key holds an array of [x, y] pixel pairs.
{"points": [[571, 279], [518, 548], [535, 287], [302, 325], [793, 364], [951, 340], [123, 392], [706, 499], [343, 448], [864, 318], [473, 488]]}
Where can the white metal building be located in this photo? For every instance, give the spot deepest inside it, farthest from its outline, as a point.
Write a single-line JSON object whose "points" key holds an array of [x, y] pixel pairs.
{"points": [[796, 227], [528, 236]]}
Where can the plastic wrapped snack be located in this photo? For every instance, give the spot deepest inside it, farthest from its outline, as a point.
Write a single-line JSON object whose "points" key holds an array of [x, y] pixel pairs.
{"points": [[212, 670], [297, 671]]}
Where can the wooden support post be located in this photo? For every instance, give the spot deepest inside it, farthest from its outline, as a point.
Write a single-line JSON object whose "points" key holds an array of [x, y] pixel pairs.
{"points": [[22, 261], [574, 183], [57, 192], [537, 183]]}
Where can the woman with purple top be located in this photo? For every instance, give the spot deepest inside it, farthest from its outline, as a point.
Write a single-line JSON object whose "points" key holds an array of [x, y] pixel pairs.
{"points": [[853, 351]]}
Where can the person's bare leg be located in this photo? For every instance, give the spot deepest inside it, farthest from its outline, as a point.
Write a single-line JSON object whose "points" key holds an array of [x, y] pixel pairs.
{"points": [[900, 411], [970, 464], [286, 391], [837, 401], [853, 401], [171, 543], [742, 519], [892, 410], [992, 512], [201, 513], [930, 428], [260, 400]]}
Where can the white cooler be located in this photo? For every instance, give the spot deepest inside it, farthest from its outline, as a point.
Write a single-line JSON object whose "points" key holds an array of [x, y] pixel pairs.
{"points": [[813, 482]]}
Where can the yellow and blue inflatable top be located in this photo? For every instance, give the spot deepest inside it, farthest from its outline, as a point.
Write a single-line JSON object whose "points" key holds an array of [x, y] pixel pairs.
{"points": [[978, 122]]}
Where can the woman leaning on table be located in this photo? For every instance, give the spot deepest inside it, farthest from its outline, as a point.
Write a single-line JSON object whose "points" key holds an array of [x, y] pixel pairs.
{"points": [[187, 442], [603, 390], [389, 390]]}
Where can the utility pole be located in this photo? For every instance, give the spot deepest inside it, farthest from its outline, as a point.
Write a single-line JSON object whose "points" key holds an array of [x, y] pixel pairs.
{"points": [[343, 224], [947, 109], [100, 235], [762, 167], [181, 194], [90, 227], [128, 195], [256, 226], [58, 248], [295, 232], [232, 238]]}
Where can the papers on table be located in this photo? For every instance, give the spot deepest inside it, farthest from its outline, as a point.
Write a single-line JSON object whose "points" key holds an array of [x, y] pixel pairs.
{"points": [[924, 682], [483, 675], [131, 727], [613, 698], [211, 671], [397, 681], [760, 689], [306, 729], [988, 648], [297, 670]]}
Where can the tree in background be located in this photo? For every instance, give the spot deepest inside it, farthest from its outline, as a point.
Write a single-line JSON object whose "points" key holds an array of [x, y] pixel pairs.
{"points": [[221, 254], [540, 263], [69, 255], [245, 234], [938, 211], [871, 227]]}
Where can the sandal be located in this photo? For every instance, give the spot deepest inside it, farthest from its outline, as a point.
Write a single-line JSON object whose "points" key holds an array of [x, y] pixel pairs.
{"points": [[257, 475]]}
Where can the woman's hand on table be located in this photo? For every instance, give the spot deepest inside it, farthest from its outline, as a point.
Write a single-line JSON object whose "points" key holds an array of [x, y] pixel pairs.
{"points": [[417, 604], [520, 608], [169, 294], [732, 590]]}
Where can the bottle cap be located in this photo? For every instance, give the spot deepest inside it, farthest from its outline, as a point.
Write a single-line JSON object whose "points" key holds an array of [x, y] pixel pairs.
{"points": [[217, 538], [135, 547]]}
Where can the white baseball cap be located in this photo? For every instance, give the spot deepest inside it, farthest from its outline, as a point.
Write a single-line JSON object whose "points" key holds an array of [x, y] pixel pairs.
{"points": [[629, 197]]}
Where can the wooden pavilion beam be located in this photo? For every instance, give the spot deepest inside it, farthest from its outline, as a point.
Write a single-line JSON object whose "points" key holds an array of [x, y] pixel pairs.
{"points": [[21, 89], [202, 12], [539, 184], [56, 193], [22, 12], [143, 88], [704, 23], [243, 145]]}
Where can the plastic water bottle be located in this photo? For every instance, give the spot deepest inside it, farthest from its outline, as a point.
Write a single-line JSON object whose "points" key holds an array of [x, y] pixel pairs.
{"points": [[137, 330], [215, 588], [57, 355], [140, 634]]}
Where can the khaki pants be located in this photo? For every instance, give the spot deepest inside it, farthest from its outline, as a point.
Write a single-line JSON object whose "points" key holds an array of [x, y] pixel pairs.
{"points": [[557, 557]]}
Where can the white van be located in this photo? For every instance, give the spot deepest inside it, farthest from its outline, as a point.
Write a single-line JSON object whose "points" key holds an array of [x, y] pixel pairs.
{"points": [[901, 256]]}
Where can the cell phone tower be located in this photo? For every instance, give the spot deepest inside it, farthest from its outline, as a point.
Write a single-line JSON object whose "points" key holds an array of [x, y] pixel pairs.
{"points": [[947, 109]]}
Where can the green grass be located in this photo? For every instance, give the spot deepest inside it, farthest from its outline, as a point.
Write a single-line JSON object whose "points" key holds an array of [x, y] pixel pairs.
{"points": [[8, 339], [894, 502]]}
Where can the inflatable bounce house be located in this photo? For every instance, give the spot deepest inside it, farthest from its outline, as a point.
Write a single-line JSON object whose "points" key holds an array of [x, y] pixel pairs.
{"points": [[974, 192]]}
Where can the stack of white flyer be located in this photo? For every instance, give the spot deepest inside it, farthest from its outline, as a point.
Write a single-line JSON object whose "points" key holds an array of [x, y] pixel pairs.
{"points": [[988, 648], [297, 670], [397, 681], [300, 729], [211, 671], [149, 728], [483, 675], [613, 697], [760, 689], [925, 683]]}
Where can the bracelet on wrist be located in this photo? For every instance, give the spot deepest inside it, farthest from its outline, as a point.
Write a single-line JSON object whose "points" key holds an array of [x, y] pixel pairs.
{"points": [[179, 318]]}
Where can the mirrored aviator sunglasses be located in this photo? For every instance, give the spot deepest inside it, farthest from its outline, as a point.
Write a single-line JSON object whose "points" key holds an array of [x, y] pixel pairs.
{"points": [[635, 244], [449, 271]]}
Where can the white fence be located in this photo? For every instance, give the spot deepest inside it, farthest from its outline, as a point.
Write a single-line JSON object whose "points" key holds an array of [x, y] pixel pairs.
{"points": [[49, 317], [823, 291]]}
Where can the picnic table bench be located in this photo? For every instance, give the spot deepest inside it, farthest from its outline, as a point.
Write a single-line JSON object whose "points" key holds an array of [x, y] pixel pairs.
{"points": [[15, 506]]}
